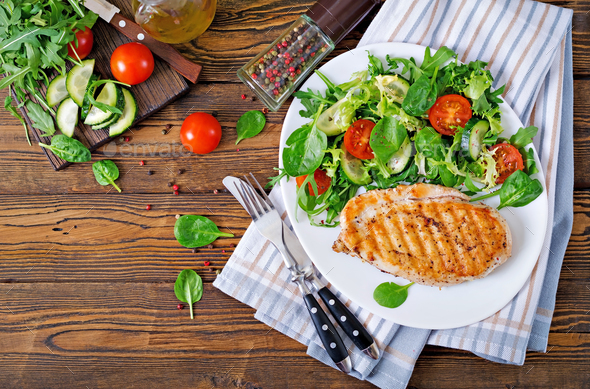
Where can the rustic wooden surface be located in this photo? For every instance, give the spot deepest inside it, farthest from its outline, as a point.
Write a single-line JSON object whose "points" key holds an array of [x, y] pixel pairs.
{"points": [[86, 276]]}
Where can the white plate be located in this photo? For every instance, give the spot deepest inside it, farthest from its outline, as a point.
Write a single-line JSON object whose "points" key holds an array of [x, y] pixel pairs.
{"points": [[426, 307]]}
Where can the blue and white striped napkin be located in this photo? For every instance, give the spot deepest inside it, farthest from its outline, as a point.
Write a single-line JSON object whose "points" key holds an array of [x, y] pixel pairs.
{"points": [[528, 47]]}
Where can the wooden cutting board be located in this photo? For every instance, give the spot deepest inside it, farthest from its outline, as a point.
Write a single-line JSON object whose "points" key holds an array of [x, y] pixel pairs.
{"points": [[163, 87]]}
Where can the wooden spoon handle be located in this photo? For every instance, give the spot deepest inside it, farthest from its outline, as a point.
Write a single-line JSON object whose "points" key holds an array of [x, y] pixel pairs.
{"points": [[133, 31]]}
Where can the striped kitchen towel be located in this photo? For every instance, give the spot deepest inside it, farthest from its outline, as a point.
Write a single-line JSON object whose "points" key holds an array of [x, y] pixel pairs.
{"points": [[528, 47]]}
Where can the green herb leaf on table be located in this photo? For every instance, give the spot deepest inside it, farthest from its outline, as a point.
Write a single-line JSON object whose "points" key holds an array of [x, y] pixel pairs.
{"points": [[250, 124], [68, 149], [8, 106], [195, 231], [390, 294], [106, 172], [188, 288], [386, 137], [41, 119]]}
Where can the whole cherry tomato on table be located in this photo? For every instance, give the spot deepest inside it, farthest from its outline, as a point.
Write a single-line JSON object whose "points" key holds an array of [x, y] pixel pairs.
{"points": [[132, 63], [508, 160], [200, 133], [356, 139], [449, 111], [321, 179], [85, 40]]}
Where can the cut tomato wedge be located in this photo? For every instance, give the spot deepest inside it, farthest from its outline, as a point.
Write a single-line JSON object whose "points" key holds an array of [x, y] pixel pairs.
{"points": [[321, 179], [508, 160], [448, 112], [356, 139]]}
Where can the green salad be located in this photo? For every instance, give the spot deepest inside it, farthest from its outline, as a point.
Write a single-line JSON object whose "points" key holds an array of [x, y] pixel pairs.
{"points": [[438, 123]]}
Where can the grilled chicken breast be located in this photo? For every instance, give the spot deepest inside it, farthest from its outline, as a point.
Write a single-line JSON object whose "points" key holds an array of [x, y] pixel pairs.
{"points": [[429, 234]]}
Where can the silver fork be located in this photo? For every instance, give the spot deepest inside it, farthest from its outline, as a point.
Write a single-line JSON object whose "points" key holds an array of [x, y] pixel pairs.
{"points": [[269, 223]]}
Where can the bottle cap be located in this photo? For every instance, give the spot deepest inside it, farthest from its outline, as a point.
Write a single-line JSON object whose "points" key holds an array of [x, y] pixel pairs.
{"points": [[337, 18]]}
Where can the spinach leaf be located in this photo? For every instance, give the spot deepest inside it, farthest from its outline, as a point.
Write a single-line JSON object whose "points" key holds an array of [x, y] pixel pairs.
{"points": [[250, 124], [429, 143], [106, 172], [188, 288], [519, 190], [523, 136], [470, 185], [387, 137], [68, 149], [390, 294], [306, 149], [196, 231], [421, 95], [41, 119]]}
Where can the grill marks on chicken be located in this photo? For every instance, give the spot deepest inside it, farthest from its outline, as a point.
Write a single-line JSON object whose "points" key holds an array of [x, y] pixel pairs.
{"points": [[425, 233]]}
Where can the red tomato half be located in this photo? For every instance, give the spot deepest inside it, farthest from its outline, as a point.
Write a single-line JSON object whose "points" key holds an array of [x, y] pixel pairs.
{"points": [[356, 139], [200, 133], [132, 63], [508, 160], [321, 179], [448, 112], [84, 47]]}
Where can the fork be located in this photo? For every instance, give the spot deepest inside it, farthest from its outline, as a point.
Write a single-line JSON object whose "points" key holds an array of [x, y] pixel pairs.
{"points": [[270, 225]]}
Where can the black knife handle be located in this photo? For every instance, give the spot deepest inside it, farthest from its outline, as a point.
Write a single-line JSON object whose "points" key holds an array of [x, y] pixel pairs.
{"points": [[349, 323], [325, 329]]}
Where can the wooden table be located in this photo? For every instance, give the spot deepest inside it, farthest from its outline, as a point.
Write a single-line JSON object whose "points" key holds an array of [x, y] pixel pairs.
{"points": [[86, 276]]}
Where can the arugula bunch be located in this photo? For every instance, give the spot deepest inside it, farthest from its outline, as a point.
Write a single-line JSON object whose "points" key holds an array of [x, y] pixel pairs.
{"points": [[33, 44]]}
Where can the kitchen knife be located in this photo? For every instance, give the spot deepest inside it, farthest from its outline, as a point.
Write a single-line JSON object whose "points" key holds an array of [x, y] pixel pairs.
{"points": [[347, 321], [133, 31]]}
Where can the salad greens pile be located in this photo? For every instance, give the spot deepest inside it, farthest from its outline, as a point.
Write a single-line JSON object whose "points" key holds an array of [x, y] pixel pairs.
{"points": [[398, 102], [33, 44]]}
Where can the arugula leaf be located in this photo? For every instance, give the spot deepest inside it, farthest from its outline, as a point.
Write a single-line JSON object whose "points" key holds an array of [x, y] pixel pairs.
{"points": [[431, 63], [41, 119], [528, 158], [375, 65], [523, 136], [8, 106], [386, 137]]}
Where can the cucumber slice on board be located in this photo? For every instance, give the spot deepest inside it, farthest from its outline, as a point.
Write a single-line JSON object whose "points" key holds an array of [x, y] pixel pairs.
{"points": [[67, 116], [77, 80], [128, 116], [472, 139], [398, 161], [116, 116], [109, 95], [352, 167], [56, 91], [86, 103]]}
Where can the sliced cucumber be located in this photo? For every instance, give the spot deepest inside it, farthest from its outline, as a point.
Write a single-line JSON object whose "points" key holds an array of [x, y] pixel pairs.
{"points": [[352, 167], [398, 161], [109, 95], [326, 120], [86, 103], [56, 91], [116, 116], [128, 116], [77, 80], [67, 116], [107, 123], [396, 87], [472, 140]]}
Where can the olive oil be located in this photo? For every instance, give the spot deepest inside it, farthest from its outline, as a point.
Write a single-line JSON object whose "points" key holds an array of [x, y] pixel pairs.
{"points": [[174, 21]]}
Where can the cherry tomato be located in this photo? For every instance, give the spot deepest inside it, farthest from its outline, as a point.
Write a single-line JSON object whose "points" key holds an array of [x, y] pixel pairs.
{"points": [[321, 179], [449, 111], [508, 160], [356, 139], [84, 47], [200, 133], [132, 63]]}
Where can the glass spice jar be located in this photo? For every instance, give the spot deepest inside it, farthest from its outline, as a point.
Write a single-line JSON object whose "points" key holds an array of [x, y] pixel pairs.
{"points": [[278, 70]]}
